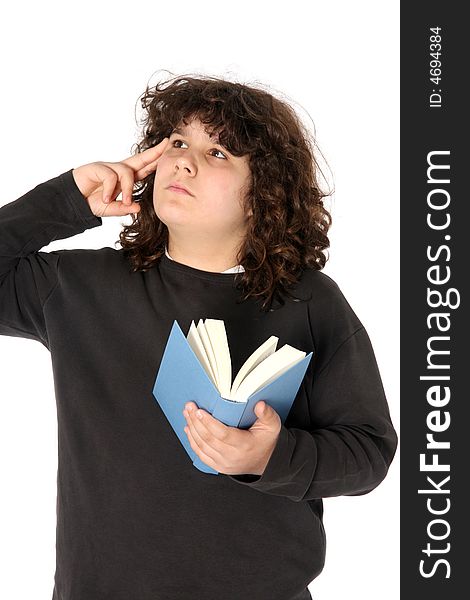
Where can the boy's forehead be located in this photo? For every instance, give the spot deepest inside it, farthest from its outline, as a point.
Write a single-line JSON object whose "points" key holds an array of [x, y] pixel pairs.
{"points": [[185, 128]]}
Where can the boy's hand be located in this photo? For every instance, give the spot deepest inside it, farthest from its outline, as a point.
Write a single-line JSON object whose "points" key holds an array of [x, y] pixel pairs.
{"points": [[231, 450], [101, 182]]}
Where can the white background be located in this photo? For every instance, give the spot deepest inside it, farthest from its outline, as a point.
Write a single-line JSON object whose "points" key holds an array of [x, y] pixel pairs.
{"points": [[71, 77]]}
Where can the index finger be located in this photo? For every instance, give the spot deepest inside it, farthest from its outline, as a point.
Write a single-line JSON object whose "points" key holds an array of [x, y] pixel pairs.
{"points": [[224, 433], [138, 162]]}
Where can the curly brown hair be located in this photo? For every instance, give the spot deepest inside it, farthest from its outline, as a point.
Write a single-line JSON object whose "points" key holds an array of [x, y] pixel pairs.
{"points": [[288, 230]]}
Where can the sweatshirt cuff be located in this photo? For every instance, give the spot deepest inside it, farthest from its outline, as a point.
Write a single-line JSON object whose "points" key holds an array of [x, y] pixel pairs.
{"points": [[77, 201], [271, 473]]}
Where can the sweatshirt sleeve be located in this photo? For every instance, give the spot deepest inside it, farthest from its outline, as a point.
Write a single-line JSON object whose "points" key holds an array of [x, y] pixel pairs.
{"points": [[52, 210], [352, 442]]}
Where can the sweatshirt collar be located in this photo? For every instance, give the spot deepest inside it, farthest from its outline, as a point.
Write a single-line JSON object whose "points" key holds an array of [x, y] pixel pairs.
{"points": [[236, 269]]}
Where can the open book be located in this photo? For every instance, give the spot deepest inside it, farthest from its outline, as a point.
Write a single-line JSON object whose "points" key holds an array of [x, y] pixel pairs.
{"points": [[209, 343], [198, 368]]}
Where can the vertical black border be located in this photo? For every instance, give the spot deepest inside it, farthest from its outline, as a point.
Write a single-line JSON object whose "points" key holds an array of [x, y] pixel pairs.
{"points": [[426, 129]]}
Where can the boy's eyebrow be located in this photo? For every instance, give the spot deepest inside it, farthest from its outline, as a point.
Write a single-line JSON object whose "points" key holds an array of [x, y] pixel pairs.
{"points": [[180, 131]]}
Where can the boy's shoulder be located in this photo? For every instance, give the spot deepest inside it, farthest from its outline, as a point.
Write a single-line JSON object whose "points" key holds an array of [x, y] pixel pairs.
{"points": [[326, 301], [319, 284], [93, 260], [86, 255]]}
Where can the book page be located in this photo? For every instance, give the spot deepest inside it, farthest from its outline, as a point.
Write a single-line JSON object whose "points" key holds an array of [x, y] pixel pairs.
{"points": [[201, 328], [194, 340], [262, 352], [217, 335], [269, 369]]}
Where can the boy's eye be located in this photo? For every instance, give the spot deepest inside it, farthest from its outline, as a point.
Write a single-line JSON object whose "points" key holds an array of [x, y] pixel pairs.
{"points": [[222, 155]]}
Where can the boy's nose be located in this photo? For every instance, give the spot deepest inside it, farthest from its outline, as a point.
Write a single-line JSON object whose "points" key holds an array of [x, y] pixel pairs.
{"points": [[186, 164]]}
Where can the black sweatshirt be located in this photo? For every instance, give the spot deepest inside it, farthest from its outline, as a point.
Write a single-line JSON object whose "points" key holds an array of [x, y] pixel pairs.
{"points": [[135, 519]]}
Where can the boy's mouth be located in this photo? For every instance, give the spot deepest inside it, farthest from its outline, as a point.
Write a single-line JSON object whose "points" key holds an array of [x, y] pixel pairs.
{"points": [[179, 188]]}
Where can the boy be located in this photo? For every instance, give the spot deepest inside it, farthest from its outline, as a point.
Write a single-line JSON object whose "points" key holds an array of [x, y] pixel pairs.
{"points": [[224, 197]]}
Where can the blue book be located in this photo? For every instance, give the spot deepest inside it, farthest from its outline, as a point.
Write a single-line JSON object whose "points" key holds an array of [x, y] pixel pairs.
{"points": [[197, 368]]}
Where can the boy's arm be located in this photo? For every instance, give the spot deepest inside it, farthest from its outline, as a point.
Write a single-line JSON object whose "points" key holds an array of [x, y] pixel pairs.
{"points": [[350, 449], [52, 210]]}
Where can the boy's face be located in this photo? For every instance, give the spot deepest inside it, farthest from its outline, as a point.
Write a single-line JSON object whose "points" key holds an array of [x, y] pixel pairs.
{"points": [[213, 209]]}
